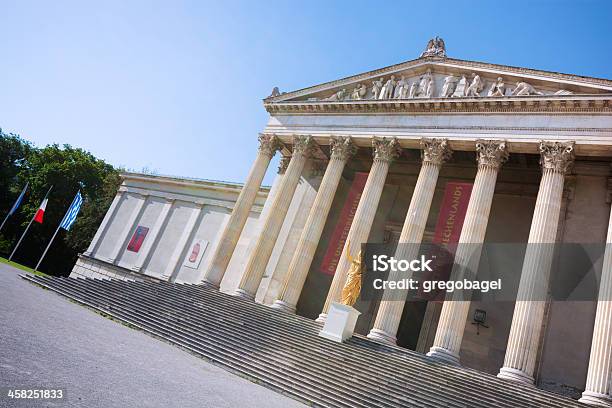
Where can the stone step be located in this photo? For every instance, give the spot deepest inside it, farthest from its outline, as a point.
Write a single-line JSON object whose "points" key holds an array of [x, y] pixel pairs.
{"points": [[401, 391], [283, 351], [547, 400], [331, 387]]}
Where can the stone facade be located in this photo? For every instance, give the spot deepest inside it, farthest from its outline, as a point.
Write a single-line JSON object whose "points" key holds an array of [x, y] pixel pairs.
{"points": [[536, 147], [178, 214]]}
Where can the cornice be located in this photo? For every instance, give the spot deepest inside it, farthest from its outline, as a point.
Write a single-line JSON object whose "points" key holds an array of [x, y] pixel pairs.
{"points": [[199, 184], [564, 104]]}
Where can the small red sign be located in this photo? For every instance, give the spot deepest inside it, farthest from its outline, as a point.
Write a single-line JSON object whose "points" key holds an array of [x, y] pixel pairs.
{"points": [[138, 238]]}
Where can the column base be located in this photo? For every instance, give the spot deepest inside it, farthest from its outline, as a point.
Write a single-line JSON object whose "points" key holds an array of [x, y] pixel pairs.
{"points": [[595, 398], [209, 284], [383, 336], [284, 306], [512, 374], [443, 355], [243, 294], [322, 317]]}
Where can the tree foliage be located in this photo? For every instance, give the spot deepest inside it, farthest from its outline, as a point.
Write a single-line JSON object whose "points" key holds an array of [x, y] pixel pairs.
{"points": [[68, 170]]}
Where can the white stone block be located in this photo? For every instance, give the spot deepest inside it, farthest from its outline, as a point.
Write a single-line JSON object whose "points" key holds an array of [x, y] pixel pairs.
{"points": [[340, 322]]}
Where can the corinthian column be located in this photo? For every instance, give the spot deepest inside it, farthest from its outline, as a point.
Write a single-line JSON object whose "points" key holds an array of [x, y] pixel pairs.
{"points": [[599, 378], [342, 148], [434, 153], [260, 255], [522, 348], [385, 150], [268, 145], [490, 154]]}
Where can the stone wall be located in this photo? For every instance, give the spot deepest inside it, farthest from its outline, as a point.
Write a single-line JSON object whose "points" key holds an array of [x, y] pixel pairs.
{"points": [[179, 216]]}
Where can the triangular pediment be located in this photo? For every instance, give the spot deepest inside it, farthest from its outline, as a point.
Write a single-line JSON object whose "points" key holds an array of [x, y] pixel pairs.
{"points": [[435, 78]]}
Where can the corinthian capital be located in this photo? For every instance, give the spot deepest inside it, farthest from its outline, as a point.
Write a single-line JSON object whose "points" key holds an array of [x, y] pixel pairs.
{"points": [[435, 151], [385, 149], [342, 147], [303, 145], [491, 153], [556, 156], [268, 144]]}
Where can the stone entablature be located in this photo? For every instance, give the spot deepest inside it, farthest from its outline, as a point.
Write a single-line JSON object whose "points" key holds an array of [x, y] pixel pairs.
{"points": [[584, 146], [197, 191], [579, 104]]}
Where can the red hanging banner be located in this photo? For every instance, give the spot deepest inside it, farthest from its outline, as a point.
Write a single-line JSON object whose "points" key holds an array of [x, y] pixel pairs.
{"points": [[452, 213], [447, 233], [338, 238]]}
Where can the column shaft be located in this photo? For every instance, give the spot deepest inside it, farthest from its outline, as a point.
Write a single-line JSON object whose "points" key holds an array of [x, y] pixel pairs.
{"points": [[231, 233], [290, 292], [259, 257], [522, 348], [435, 152], [491, 154], [385, 150], [599, 377]]}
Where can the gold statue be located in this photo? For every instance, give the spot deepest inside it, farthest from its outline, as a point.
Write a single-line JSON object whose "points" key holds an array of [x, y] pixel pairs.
{"points": [[352, 287]]}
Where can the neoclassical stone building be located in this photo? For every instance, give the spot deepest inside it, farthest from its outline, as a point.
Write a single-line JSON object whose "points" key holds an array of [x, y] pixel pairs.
{"points": [[536, 148], [373, 157]]}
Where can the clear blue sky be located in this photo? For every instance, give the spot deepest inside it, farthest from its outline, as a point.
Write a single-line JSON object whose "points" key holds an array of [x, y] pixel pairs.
{"points": [[177, 86]]}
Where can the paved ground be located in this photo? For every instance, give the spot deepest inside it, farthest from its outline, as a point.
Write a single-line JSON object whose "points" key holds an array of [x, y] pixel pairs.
{"points": [[47, 341]]}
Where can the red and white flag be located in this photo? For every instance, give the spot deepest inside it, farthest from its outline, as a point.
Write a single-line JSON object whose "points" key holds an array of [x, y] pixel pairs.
{"points": [[41, 211]]}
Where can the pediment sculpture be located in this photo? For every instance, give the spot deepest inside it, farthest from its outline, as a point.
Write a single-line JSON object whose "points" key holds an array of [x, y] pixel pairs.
{"points": [[438, 81], [453, 86]]}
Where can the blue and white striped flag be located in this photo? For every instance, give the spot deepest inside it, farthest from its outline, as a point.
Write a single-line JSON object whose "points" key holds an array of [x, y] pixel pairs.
{"points": [[72, 212]]}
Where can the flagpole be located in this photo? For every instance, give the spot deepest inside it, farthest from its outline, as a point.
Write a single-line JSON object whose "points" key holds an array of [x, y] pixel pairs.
{"points": [[27, 228], [47, 248], [5, 218], [54, 234]]}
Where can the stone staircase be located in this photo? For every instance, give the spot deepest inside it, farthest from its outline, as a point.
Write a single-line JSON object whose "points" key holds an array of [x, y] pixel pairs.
{"points": [[283, 352]]}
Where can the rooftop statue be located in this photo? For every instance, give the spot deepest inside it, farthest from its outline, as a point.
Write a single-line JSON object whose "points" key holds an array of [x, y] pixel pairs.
{"points": [[435, 48]]}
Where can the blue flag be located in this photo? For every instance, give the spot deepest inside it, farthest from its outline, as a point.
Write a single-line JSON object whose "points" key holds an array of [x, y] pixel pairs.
{"points": [[18, 201], [72, 212]]}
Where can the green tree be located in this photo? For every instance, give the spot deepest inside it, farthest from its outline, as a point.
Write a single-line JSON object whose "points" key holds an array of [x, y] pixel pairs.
{"points": [[69, 170], [13, 153]]}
